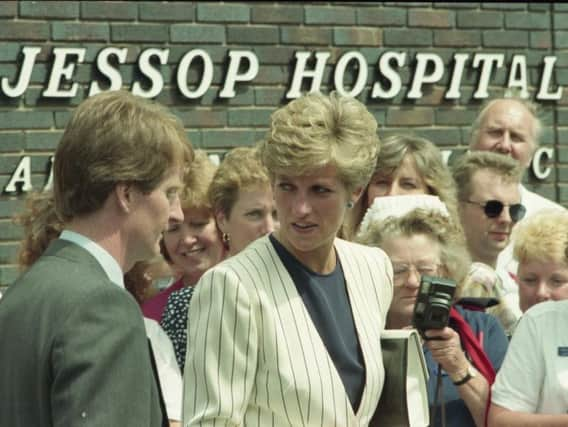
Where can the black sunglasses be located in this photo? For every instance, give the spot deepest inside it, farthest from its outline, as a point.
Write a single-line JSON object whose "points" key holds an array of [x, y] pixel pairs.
{"points": [[493, 209]]}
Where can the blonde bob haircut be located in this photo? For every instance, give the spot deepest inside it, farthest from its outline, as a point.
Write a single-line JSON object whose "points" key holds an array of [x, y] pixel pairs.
{"points": [[314, 131], [240, 169], [454, 257], [115, 137], [429, 165], [197, 181], [542, 237], [467, 165]]}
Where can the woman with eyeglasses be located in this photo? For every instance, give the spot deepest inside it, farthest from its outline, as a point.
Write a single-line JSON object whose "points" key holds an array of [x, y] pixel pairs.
{"points": [[410, 166], [468, 351]]}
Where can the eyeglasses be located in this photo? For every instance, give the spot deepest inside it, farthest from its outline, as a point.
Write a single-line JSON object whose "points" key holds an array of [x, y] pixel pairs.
{"points": [[493, 209], [401, 271]]}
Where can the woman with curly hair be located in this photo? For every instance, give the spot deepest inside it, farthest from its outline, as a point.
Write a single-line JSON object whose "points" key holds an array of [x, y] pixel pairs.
{"points": [[465, 354]]}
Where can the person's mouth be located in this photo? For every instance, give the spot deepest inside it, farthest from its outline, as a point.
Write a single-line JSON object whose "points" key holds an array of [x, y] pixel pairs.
{"points": [[303, 227], [192, 251], [500, 236]]}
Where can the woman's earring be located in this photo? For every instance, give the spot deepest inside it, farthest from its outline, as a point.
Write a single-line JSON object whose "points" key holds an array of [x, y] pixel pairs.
{"points": [[349, 204], [225, 238]]}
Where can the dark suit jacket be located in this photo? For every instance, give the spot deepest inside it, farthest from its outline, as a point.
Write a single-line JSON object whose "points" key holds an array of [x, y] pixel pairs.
{"points": [[73, 349]]}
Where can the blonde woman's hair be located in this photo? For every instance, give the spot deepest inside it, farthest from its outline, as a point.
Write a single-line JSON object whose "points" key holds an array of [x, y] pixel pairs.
{"points": [[240, 169], [454, 258], [467, 165], [317, 130], [197, 181], [542, 237], [429, 165]]}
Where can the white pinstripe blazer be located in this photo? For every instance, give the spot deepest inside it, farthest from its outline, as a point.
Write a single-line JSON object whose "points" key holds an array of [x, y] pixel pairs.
{"points": [[255, 358]]}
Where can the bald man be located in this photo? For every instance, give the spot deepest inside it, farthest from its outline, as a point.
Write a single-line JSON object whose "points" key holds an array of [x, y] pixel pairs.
{"points": [[511, 127]]}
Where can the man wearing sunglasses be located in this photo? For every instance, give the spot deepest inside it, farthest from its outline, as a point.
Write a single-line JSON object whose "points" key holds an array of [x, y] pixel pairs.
{"points": [[510, 126], [489, 202]]}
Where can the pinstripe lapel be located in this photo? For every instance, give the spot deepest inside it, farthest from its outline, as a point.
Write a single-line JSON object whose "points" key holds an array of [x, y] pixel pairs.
{"points": [[317, 367], [359, 281]]}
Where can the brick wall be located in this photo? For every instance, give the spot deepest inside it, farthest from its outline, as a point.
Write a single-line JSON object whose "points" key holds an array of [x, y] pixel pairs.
{"points": [[31, 124]]}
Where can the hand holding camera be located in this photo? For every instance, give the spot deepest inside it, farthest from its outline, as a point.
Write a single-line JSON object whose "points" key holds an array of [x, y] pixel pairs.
{"points": [[447, 351], [431, 316], [433, 304]]}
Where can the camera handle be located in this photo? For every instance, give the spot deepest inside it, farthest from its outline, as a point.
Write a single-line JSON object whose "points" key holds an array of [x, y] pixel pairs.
{"points": [[439, 398]]}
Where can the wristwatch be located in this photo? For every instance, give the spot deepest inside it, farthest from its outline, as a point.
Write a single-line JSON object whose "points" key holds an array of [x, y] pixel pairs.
{"points": [[470, 373]]}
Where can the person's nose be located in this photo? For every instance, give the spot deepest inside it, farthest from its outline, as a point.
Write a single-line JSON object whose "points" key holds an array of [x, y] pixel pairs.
{"points": [[176, 213], [542, 292], [188, 236], [301, 205], [505, 146], [505, 216], [413, 279], [269, 224]]}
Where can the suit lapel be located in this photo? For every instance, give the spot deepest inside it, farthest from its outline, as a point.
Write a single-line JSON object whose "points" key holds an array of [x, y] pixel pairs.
{"points": [[317, 362], [357, 274]]}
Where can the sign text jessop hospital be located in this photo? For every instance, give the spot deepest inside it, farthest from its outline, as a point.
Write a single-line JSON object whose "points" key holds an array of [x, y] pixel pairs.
{"points": [[243, 67], [308, 67]]}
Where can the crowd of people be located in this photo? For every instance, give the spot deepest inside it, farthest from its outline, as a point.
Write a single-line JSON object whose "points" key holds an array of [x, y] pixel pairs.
{"points": [[160, 289]]}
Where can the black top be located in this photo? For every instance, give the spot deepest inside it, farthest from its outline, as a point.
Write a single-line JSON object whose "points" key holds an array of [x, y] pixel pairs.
{"points": [[325, 298], [174, 321]]}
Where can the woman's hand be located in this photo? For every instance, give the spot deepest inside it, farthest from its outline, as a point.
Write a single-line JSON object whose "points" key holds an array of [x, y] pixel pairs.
{"points": [[447, 351]]}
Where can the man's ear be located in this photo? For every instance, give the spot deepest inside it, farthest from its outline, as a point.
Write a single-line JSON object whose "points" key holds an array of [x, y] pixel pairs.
{"points": [[124, 193]]}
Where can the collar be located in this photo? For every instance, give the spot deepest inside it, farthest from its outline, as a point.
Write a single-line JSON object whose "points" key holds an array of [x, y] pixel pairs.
{"points": [[106, 260]]}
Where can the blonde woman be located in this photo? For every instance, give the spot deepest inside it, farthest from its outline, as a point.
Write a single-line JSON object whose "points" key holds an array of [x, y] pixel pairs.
{"points": [[540, 247], [241, 198], [530, 389], [406, 165], [287, 332], [192, 247]]}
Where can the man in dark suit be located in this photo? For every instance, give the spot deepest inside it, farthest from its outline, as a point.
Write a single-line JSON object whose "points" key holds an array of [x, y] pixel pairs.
{"points": [[73, 349]]}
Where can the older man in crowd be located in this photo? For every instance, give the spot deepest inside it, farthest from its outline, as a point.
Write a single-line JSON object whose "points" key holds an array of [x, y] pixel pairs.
{"points": [[489, 202], [510, 126]]}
